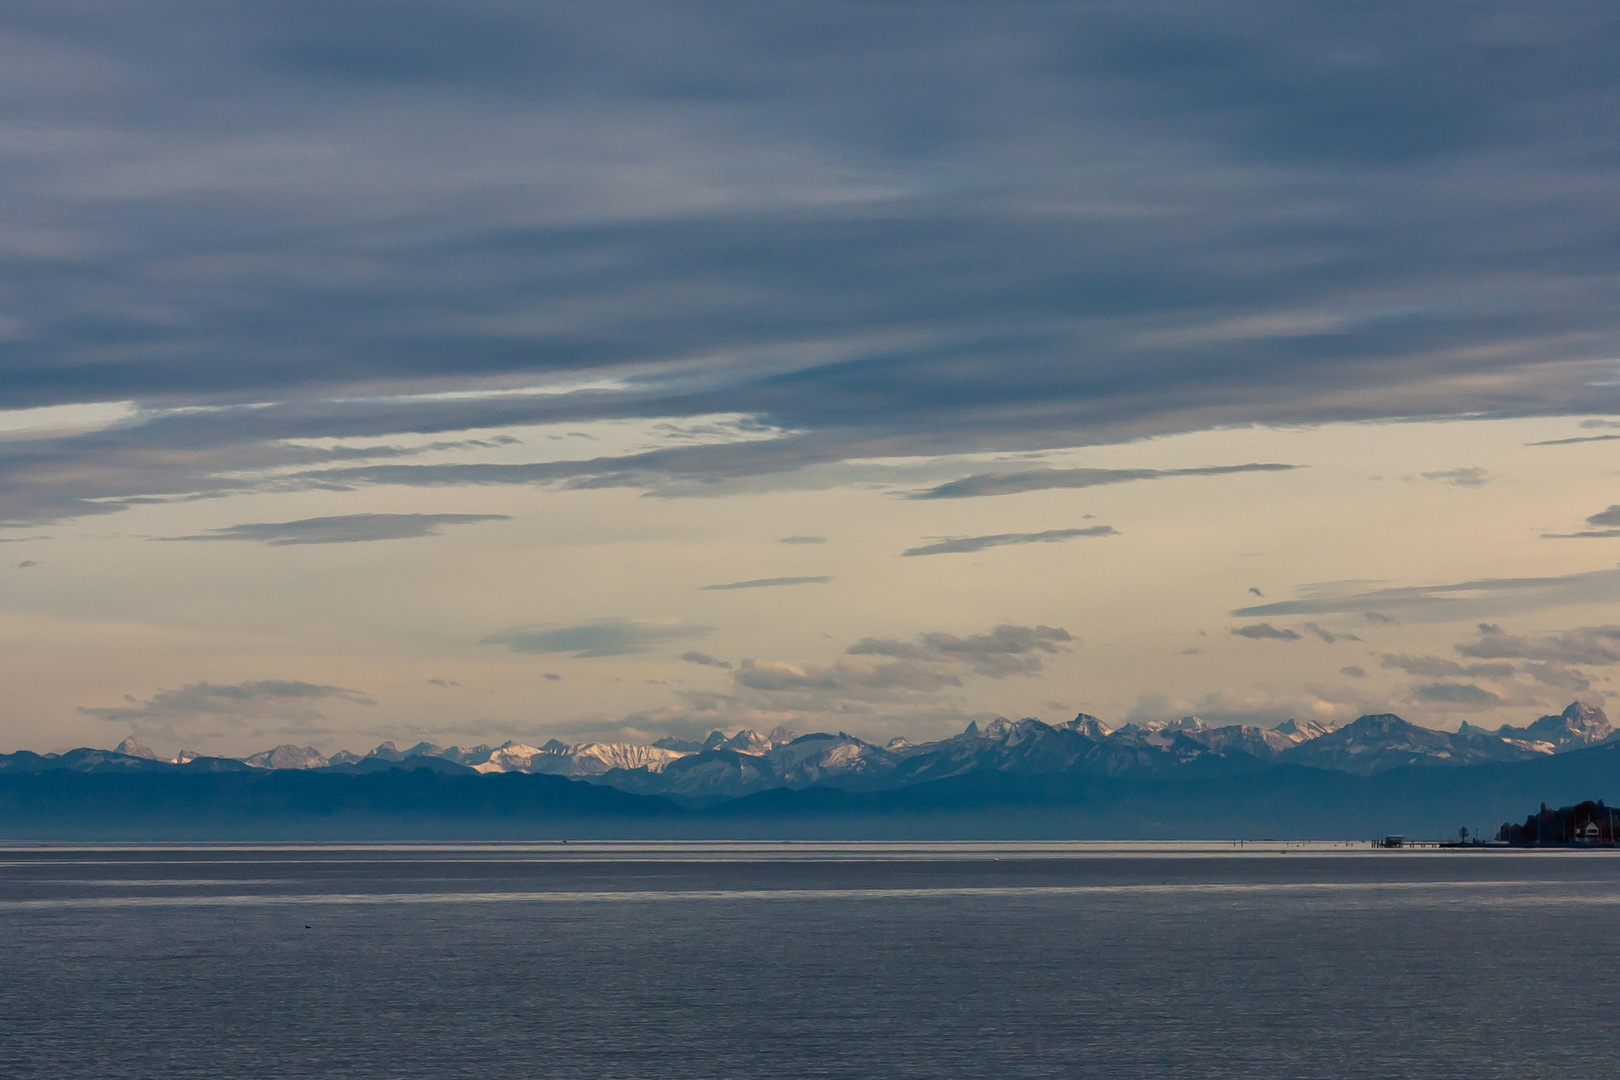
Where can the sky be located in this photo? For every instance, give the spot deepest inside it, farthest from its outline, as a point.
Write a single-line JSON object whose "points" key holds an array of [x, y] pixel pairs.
{"points": [[471, 371]]}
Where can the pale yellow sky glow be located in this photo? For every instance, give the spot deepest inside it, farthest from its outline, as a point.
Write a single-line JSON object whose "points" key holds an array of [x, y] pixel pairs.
{"points": [[549, 612]]}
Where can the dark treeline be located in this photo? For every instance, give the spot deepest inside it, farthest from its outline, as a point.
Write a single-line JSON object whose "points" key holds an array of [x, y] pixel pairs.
{"points": [[1589, 822]]}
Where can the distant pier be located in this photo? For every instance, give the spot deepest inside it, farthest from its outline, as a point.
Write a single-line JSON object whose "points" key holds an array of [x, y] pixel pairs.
{"points": [[1403, 842]]}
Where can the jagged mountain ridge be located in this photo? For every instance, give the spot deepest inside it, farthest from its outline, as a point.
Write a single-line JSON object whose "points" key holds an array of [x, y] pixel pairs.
{"points": [[1085, 746], [1578, 725], [722, 768], [1374, 744], [728, 767]]}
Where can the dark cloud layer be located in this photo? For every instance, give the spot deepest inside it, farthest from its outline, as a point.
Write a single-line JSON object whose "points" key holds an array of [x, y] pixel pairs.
{"points": [[894, 229], [964, 544], [344, 529]]}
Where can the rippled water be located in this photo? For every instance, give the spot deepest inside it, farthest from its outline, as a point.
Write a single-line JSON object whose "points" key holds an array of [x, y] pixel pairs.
{"points": [[741, 960]]}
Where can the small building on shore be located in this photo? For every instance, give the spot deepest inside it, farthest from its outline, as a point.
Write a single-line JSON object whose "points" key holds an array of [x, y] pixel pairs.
{"points": [[1587, 824]]}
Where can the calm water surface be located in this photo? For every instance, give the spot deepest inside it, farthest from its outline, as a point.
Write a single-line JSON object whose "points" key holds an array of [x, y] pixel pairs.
{"points": [[850, 960]]}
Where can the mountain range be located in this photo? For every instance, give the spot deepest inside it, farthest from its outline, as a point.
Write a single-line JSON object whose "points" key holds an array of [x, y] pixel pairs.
{"points": [[1007, 779], [722, 768]]}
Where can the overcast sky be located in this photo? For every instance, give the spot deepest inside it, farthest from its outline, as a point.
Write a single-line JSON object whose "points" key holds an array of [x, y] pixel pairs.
{"points": [[483, 370]]}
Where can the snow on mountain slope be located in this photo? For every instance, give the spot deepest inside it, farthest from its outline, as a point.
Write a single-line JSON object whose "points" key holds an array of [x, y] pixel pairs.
{"points": [[1259, 742], [723, 766], [510, 757], [132, 747], [820, 758], [705, 778], [594, 759], [288, 756], [1577, 726], [1305, 732], [1089, 726], [1374, 744], [583, 760]]}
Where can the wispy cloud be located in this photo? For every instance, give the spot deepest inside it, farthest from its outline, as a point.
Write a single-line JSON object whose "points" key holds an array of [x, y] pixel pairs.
{"points": [[885, 681], [1472, 476], [1593, 645], [963, 544], [1574, 439], [705, 660], [607, 638], [1515, 665], [1609, 517], [804, 540], [1438, 667], [1482, 597], [1011, 483], [181, 713], [1006, 650], [1266, 632], [769, 582], [1466, 694], [342, 529]]}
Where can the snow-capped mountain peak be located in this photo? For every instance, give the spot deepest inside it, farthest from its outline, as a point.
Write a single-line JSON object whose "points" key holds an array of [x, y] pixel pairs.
{"points": [[288, 756], [132, 747]]}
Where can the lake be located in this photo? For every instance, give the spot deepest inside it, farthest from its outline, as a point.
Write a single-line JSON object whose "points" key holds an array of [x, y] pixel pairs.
{"points": [[803, 959]]}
